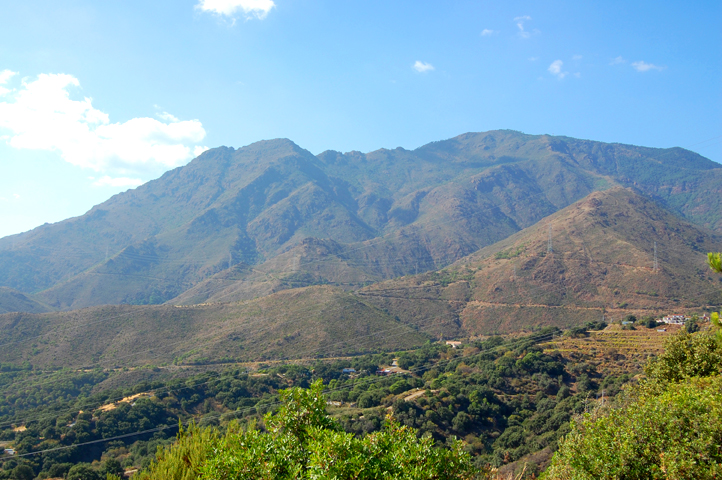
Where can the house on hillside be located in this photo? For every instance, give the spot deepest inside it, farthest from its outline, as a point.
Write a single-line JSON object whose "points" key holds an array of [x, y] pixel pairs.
{"points": [[453, 344], [348, 370], [674, 319], [9, 451]]}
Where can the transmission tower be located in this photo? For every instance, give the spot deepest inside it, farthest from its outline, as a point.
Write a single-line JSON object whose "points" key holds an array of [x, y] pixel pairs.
{"points": [[549, 245], [656, 264]]}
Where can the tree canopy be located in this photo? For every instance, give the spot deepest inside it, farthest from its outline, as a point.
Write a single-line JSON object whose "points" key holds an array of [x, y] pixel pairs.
{"points": [[301, 441]]}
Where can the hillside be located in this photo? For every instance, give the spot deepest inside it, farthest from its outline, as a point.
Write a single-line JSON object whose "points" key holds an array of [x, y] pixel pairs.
{"points": [[14, 301], [302, 323], [601, 263], [381, 215]]}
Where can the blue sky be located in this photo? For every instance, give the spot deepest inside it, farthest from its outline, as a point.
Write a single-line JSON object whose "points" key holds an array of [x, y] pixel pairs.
{"points": [[96, 97]]}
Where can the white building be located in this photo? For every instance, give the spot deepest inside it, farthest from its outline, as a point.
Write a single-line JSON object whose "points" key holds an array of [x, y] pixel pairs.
{"points": [[674, 319]]}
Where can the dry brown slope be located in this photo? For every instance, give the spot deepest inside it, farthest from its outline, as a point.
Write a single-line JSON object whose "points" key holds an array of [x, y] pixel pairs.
{"points": [[299, 323], [602, 262]]}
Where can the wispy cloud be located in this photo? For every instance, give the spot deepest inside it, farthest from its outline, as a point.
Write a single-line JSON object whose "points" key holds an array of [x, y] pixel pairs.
{"points": [[107, 181], [487, 32], [617, 61], [422, 67], [5, 77], [577, 57], [230, 8], [41, 115], [168, 117], [523, 33], [556, 69], [642, 66]]}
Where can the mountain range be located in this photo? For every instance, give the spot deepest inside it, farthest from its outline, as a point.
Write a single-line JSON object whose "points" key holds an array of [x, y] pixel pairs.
{"points": [[269, 252], [600, 266], [240, 224]]}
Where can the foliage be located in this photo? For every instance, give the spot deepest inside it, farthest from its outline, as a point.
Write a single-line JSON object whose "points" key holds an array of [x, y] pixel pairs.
{"points": [[507, 398], [668, 427], [303, 442], [510, 252], [673, 435], [715, 263]]}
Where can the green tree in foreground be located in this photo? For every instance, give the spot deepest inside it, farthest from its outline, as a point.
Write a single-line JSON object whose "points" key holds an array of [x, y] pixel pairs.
{"points": [[301, 441], [670, 427], [715, 263]]}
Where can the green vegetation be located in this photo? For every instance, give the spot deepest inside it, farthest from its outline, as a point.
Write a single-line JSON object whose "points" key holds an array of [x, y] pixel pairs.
{"points": [[303, 442], [715, 263], [675, 434], [510, 252], [506, 399], [670, 426]]}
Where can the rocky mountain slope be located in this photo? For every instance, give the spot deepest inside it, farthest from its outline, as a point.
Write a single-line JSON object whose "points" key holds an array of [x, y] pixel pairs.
{"points": [[235, 224], [601, 265]]}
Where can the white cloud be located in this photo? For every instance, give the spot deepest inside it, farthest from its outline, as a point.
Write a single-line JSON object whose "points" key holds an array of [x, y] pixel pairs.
{"points": [[40, 115], [17, 197], [533, 59], [5, 77], [107, 181], [617, 61], [523, 33], [198, 150], [556, 69], [642, 66], [229, 8], [167, 117], [576, 57], [422, 67], [487, 32]]}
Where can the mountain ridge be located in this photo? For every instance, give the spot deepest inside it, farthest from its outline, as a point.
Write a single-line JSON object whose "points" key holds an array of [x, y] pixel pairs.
{"points": [[601, 263], [249, 205]]}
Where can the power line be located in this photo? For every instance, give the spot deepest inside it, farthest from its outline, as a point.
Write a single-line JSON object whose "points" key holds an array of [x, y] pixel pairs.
{"points": [[539, 339]]}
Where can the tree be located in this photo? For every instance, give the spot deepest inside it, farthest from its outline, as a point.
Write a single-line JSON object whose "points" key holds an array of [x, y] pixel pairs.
{"points": [[82, 471], [23, 472], [112, 467], [302, 441], [673, 435], [715, 263], [668, 427]]}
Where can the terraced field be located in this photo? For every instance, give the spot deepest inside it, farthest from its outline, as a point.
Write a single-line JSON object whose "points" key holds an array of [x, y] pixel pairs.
{"points": [[614, 351]]}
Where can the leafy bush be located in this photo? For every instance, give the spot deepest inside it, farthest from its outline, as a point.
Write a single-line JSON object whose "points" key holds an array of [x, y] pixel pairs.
{"points": [[668, 427], [673, 435], [301, 441]]}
